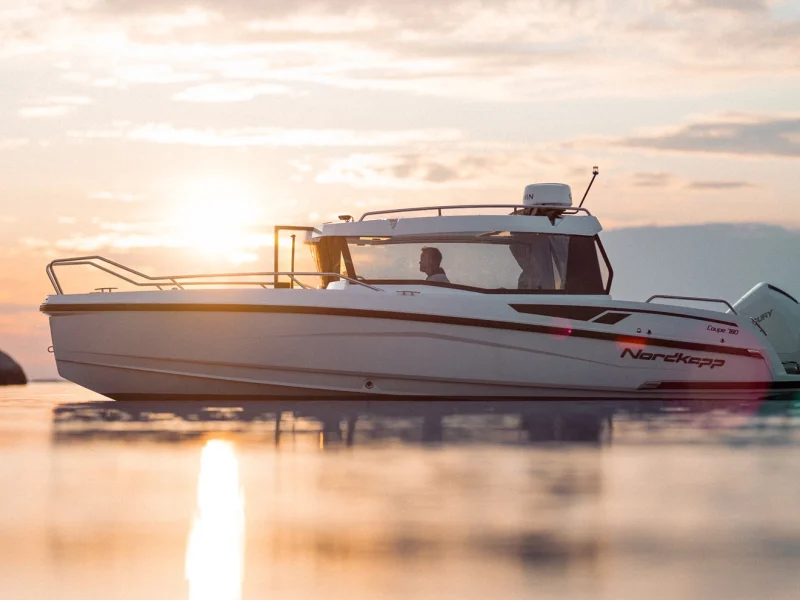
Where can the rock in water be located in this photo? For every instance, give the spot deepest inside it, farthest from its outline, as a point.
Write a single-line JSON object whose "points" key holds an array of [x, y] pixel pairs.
{"points": [[10, 372]]}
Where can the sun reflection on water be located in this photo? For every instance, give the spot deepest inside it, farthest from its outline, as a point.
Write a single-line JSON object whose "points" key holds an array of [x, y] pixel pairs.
{"points": [[215, 551]]}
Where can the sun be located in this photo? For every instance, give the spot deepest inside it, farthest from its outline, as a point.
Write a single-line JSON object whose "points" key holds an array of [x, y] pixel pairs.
{"points": [[218, 217]]}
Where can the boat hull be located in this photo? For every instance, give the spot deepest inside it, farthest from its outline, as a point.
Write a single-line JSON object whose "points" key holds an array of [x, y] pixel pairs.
{"points": [[317, 351]]}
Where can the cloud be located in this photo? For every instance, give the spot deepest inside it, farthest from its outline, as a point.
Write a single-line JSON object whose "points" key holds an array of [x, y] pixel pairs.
{"points": [[114, 196], [350, 22], [154, 73], [652, 179], [417, 170], [111, 235], [743, 6], [45, 111], [233, 91], [743, 135], [660, 179], [111, 240], [448, 48], [718, 185], [55, 106], [164, 133], [159, 24], [138, 237], [12, 143], [70, 100]]}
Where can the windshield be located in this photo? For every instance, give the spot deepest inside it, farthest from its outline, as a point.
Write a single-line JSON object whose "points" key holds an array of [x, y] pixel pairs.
{"points": [[528, 262]]}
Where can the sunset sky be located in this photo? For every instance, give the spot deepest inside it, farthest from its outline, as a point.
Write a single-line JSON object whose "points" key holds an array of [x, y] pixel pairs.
{"points": [[173, 135]]}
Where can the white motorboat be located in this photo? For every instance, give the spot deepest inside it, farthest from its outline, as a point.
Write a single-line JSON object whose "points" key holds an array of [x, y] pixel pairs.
{"points": [[519, 306]]}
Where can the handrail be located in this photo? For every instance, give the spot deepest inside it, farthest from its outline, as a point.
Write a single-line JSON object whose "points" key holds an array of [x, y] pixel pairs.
{"points": [[695, 299], [568, 210], [180, 280]]}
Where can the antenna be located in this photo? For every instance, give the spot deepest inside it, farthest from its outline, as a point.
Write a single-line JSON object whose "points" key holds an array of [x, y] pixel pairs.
{"points": [[595, 171]]}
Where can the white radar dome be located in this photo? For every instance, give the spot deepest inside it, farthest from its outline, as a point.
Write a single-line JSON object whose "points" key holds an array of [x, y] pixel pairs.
{"points": [[550, 194]]}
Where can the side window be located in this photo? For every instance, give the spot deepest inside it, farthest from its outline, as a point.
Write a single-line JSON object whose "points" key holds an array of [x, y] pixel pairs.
{"points": [[583, 267], [606, 274]]}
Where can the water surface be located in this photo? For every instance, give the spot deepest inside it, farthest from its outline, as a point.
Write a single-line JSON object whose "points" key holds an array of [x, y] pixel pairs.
{"points": [[100, 502]]}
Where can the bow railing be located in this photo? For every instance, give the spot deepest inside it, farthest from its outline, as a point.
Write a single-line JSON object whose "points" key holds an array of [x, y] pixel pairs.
{"points": [[139, 279]]}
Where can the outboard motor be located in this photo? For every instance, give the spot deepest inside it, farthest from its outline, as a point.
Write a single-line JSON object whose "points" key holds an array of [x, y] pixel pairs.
{"points": [[778, 314]]}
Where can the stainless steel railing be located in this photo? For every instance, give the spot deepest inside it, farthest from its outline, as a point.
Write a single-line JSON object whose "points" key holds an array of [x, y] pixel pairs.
{"points": [[181, 281], [694, 299], [568, 210], [712, 300]]}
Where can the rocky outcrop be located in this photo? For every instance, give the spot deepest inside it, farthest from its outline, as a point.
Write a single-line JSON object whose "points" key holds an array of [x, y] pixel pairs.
{"points": [[10, 372]]}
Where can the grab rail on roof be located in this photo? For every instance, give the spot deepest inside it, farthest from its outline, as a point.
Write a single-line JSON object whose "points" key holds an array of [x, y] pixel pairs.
{"points": [[570, 211], [180, 280], [695, 299]]}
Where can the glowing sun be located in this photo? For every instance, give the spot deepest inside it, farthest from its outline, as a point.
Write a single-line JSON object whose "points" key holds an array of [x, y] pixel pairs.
{"points": [[219, 218]]}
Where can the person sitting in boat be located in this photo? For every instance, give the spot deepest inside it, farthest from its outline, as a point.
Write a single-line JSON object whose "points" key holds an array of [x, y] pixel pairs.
{"points": [[542, 258], [430, 262]]}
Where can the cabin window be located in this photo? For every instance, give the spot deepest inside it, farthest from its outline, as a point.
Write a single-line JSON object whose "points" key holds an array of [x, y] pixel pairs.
{"points": [[494, 261]]}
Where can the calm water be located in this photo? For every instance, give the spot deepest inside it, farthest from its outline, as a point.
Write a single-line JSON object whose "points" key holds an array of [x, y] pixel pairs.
{"points": [[103, 502]]}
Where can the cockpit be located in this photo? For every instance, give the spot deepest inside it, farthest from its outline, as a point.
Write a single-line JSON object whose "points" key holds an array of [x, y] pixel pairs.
{"points": [[543, 246]]}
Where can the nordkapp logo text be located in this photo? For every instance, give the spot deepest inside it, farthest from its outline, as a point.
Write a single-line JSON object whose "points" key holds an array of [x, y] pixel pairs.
{"points": [[678, 357]]}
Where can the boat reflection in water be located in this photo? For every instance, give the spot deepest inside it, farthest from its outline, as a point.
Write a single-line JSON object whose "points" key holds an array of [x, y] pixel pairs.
{"points": [[338, 422], [357, 422], [215, 550], [419, 500]]}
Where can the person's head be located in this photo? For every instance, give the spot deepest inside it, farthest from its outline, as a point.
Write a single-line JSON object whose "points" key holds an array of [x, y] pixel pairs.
{"points": [[430, 260]]}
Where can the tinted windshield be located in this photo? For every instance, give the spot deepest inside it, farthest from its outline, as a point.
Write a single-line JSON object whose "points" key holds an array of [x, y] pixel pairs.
{"points": [[504, 261]]}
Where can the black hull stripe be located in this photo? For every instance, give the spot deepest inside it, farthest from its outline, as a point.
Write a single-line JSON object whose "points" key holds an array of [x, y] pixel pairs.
{"points": [[585, 313], [56, 309], [785, 386]]}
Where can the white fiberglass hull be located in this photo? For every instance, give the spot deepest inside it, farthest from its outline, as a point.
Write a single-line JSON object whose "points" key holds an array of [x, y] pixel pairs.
{"points": [[316, 343]]}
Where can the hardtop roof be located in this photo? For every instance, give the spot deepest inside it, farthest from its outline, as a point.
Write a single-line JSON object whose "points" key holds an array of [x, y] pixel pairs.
{"points": [[569, 224]]}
